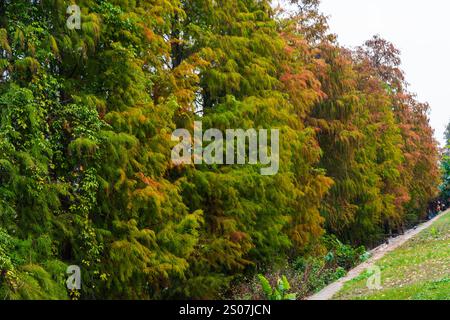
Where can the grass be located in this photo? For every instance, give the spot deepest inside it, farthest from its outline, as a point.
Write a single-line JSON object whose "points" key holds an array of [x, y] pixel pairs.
{"points": [[418, 270]]}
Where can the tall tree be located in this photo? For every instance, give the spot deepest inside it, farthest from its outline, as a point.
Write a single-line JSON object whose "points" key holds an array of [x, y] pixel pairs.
{"points": [[251, 220]]}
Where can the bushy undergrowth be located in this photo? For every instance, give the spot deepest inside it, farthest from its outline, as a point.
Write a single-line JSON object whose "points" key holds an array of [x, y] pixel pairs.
{"points": [[303, 275]]}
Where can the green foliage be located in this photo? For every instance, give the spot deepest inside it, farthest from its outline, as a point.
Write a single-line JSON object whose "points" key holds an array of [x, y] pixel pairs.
{"points": [[85, 143], [344, 256], [279, 292], [319, 271], [305, 274], [445, 168]]}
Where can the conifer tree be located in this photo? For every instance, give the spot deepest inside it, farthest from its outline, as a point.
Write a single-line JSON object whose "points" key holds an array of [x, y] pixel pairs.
{"points": [[250, 219]]}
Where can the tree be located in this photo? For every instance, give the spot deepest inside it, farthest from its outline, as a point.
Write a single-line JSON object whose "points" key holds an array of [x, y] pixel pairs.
{"points": [[251, 220]]}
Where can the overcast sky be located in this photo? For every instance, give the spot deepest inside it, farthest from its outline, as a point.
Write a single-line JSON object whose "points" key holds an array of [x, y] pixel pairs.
{"points": [[420, 29]]}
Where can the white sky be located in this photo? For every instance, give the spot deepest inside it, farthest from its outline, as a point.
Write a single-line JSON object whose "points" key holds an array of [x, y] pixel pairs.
{"points": [[420, 29]]}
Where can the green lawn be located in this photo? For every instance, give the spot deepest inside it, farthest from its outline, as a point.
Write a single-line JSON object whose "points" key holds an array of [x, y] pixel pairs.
{"points": [[418, 270]]}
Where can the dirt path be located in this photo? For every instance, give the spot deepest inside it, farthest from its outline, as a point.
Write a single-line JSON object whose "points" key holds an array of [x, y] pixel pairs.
{"points": [[377, 253]]}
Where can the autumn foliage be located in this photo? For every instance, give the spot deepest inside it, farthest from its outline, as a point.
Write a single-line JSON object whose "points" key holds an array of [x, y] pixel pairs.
{"points": [[85, 140]]}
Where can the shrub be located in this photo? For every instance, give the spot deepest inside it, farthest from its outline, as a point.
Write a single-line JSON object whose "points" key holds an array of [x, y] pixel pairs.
{"points": [[279, 292]]}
